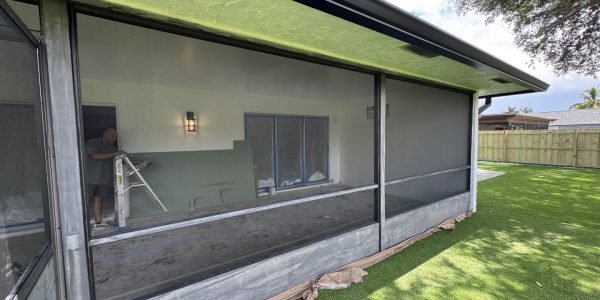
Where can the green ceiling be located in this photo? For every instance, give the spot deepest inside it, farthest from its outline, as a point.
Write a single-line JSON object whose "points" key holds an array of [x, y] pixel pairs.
{"points": [[292, 26]]}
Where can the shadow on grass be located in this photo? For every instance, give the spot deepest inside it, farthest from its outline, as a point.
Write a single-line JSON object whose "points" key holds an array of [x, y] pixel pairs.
{"points": [[536, 235]]}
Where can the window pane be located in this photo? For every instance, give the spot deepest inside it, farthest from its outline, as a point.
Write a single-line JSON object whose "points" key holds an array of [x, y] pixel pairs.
{"points": [[289, 151], [316, 149], [259, 132]]}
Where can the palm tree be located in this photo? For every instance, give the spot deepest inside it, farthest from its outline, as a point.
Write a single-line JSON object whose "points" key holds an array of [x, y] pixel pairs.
{"points": [[590, 100], [511, 110], [526, 109]]}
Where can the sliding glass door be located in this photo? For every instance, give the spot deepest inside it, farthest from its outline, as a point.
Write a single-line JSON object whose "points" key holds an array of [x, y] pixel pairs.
{"points": [[260, 133], [315, 149], [288, 150]]}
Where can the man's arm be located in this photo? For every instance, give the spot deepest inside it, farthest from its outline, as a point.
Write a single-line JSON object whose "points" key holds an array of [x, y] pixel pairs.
{"points": [[102, 156]]}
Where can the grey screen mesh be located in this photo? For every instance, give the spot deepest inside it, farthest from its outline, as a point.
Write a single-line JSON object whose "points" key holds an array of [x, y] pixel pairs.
{"points": [[428, 130]]}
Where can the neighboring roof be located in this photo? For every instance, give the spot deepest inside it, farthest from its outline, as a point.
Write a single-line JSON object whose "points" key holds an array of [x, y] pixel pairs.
{"points": [[369, 35], [572, 117], [512, 117]]}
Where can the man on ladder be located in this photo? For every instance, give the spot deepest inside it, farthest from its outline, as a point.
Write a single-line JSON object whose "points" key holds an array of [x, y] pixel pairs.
{"points": [[99, 171]]}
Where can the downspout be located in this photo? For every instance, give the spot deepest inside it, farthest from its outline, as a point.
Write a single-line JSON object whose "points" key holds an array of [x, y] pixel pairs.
{"points": [[488, 103], [477, 110]]}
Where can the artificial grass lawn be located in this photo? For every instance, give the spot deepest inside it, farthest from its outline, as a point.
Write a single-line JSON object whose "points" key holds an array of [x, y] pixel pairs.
{"points": [[534, 225]]}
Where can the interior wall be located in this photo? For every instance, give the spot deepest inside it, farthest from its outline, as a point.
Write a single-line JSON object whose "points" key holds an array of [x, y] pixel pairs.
{"points": [[153, 78]]}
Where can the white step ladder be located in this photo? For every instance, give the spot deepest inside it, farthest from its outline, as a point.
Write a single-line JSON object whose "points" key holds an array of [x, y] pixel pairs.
{"points": [[122, 187]]}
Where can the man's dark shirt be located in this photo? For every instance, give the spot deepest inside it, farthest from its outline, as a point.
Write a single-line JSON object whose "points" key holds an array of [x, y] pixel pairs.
{"points": [[98, 171]]}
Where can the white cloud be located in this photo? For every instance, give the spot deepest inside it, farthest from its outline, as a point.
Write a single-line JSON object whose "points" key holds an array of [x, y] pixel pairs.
{"points": [[495, 38]]}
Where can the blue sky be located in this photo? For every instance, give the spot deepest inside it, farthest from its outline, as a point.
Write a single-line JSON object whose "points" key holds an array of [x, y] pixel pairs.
{"points": [[497, 39]]}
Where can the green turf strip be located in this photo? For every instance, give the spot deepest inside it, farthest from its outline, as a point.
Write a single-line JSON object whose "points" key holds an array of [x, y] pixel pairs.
{"points": [[536, 235]]}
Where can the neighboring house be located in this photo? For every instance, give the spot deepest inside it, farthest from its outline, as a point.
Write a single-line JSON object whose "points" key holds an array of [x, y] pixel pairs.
{"points": [[288, 139], [571, 119], [511, 121]]}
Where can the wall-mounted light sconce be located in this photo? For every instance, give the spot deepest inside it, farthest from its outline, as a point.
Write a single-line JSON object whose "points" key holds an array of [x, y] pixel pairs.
{"points": [[190, 121]]}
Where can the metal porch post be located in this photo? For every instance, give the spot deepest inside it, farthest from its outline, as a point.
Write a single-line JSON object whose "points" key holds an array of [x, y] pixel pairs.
{"points": [[379, 113], [71, 220], [473, 160]]}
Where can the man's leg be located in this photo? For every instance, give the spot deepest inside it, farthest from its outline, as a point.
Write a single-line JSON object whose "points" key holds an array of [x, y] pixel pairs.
{"points": [[92, 197], [99, 196], [97, 204]]}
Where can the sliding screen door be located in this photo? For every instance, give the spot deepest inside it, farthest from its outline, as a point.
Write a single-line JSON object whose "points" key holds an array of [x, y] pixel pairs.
{"points": [[24, 213], [289, 154]]}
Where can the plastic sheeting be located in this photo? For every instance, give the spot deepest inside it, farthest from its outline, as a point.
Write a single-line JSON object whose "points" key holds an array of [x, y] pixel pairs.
{"points": [[21, 172], [316, 148], [17, 210], [289, 156], [259, 132], [295, 134]]}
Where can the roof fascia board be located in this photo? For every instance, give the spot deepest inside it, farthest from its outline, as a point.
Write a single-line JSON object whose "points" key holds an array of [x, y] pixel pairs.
{"points": [[387, 19], [508, 94]]}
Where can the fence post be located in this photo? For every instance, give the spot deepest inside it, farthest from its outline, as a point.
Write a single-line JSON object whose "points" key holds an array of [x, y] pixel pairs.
{"points": [[505, 146], [575, 149]]}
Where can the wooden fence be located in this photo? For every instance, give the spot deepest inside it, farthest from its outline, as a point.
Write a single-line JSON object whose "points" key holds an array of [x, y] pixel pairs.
{"points": [[576, 148]]}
